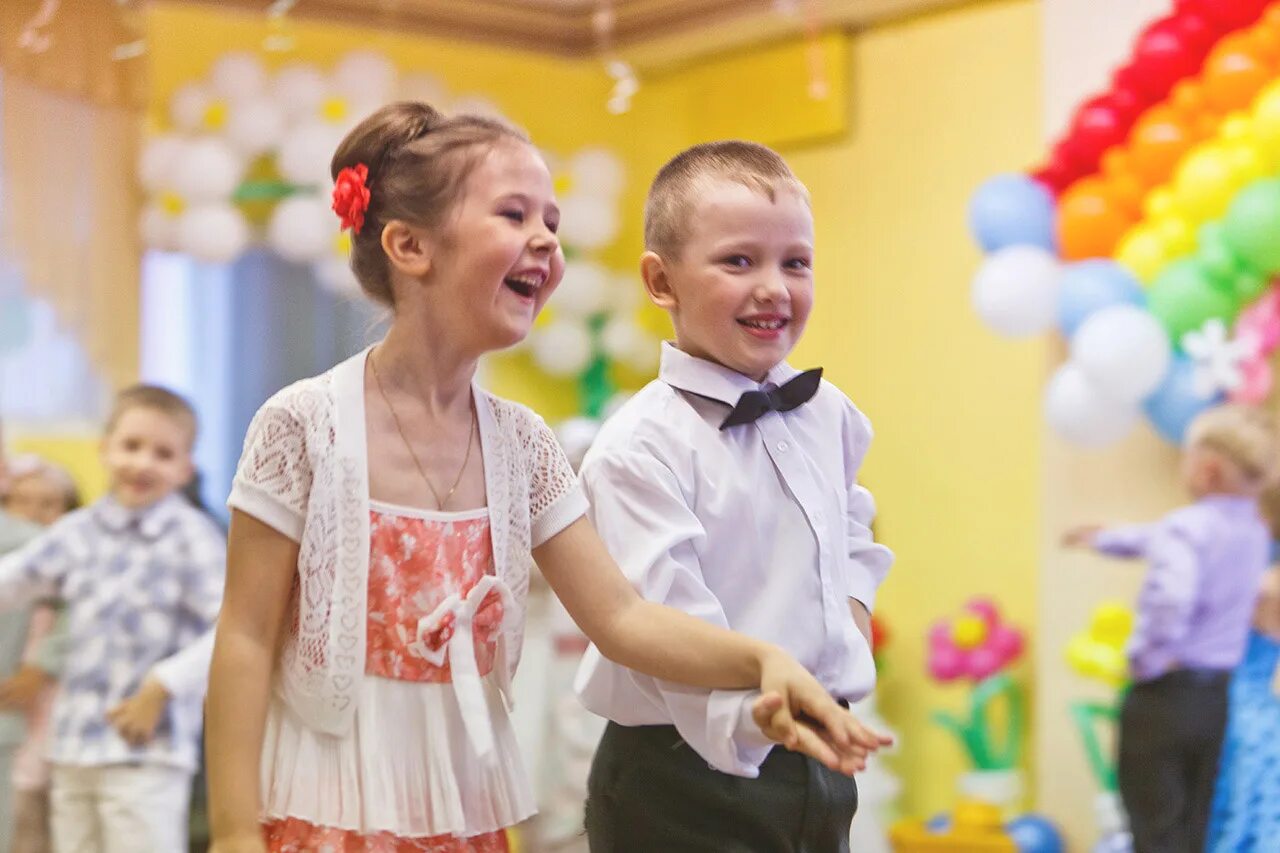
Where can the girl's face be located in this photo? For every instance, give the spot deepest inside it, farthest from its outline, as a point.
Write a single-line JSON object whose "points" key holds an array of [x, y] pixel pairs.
{"points": [[36, 498], [499, 258]]}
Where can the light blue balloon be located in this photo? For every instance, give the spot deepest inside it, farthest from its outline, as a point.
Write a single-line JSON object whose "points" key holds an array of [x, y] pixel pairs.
{"points": [[1092, 285], [1035, 834], [1012, 210], [1174, 404], [15, 323]]}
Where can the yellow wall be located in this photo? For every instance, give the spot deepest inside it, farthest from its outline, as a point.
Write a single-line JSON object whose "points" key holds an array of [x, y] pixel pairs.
{"points": [[923, 111]]}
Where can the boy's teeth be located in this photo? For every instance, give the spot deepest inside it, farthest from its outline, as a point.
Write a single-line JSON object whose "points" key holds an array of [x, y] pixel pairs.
{"points": [[764, 324]]}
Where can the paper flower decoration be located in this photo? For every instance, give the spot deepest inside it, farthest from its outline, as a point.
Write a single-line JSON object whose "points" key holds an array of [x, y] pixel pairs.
{"points": [[974, 645], [1260, 323], [1218, 360], [1098, 652]]}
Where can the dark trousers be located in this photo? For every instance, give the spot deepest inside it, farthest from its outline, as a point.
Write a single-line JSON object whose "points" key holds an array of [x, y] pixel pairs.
{"points": [[1171, 731], [649, 792]]}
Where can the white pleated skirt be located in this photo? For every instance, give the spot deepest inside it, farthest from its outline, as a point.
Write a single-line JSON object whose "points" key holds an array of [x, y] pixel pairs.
{"points": [[405, 767]]}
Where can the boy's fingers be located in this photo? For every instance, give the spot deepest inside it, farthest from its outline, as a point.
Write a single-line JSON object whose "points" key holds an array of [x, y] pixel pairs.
{"points": [[809, 743], [784, 726]]}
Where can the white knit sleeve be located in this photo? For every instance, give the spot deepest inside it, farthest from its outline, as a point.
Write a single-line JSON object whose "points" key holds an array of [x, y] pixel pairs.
{"points": [[273, 480], [555, 498]]}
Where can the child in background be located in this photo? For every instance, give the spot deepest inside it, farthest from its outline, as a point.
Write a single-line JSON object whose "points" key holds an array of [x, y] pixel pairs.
{"points": [[14, 626], [384, 519], [1205, 564], [728, 488], [139, 573], [40, 492]]}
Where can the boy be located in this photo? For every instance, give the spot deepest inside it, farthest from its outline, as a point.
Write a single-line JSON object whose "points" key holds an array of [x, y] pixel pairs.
{"points": [[1205, 565], [728, 488], [140, 573], [13, 639]]}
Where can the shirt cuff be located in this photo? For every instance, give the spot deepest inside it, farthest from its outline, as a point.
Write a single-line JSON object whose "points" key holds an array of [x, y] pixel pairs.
{"points": [[261, 505], [742, 745], [861, 585]]}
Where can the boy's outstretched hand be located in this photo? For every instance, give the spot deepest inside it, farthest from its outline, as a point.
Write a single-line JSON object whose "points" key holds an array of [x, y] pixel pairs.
{"points": [[1080, 537], [136, 718], [23, 688]]}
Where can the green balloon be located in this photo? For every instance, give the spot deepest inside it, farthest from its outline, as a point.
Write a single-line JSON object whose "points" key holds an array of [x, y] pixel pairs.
{"points": [[1183, 297], [1248, 286], [1215, 256], [1252, 226]]}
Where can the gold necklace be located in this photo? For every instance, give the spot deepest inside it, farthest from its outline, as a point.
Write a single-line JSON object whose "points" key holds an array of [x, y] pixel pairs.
{"points": [[471, 434]]}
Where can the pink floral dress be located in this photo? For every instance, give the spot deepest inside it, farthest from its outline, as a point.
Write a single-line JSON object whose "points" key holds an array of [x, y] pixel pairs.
{"points": [[428, 573]]}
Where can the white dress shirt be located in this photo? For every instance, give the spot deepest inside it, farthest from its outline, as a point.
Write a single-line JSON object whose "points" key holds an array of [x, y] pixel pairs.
{"points": [[761, 528]]}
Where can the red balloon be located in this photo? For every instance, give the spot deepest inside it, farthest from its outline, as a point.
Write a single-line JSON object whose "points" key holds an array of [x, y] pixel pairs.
{"points": [[1097, 127], [1052, 177], [1163, 56], [1197, 33], [1228, 14], [1127, 105]]}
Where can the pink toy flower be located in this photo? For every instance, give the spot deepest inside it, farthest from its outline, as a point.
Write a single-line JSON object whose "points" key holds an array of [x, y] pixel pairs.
{"points": [[1260, 324], [974, 645]]}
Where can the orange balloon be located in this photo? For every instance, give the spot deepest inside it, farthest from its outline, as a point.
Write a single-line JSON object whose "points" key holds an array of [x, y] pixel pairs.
{"points": [[1187, 99], [1157, 143], [1233, 74], [1264, 43], [1122, 184], [1091, 220]]}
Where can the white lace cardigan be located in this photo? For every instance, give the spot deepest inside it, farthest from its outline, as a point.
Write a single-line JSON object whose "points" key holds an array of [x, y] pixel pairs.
{"points": [[304, 472]]}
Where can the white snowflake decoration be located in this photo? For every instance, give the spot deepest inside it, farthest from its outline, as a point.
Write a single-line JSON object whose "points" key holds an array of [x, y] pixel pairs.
{"points": [[1219, 360]]}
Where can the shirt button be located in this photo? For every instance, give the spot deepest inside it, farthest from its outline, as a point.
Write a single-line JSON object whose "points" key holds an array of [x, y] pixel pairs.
{"points": [[783, 447]]}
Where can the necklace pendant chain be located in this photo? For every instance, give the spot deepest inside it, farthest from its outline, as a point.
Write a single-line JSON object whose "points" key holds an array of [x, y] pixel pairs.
{"points": [[471, 434]]}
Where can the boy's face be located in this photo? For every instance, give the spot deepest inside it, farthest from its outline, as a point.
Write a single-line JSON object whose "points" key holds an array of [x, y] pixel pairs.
{"points": [[147, 455], [741, 289]]}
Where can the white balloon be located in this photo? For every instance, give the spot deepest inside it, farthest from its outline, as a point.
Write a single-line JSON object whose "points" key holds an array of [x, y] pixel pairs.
{"points": [[335, 275], [626, 293], [207, 170], [299, 90], [255, 126], [188, 105], [624, 341], [237, 76], [1080, 413], [156, 165], [159, 230], [365, 76], [302, 229], [597, 171], [575, 436], [1016, 290], [215, 233], [587, 222], [306, 151], [1123, 350], [426, 88], [562, 348], [583, 291]]}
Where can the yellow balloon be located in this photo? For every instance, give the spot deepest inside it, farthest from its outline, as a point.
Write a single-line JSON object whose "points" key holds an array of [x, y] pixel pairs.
{"points": [[1177, 234], [1078, 654], [1266, 120], [1203, 186], [1159, 203], [1112, 624], [1143, 253], [1248, 162], [1235, 127]]}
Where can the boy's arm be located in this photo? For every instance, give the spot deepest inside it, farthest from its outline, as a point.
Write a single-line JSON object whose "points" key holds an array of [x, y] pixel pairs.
{"points": [[35, 570], [869, 561], [1129, 541], [186, 672], [1165, 604], [639, 510]]}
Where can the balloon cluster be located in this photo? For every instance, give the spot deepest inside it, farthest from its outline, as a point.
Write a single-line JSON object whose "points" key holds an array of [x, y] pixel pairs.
{"points": [[1156, 259], [1098, 651]]}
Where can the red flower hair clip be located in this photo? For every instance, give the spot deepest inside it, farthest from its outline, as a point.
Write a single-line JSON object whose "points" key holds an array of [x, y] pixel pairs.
{"points": [[351, 196]]}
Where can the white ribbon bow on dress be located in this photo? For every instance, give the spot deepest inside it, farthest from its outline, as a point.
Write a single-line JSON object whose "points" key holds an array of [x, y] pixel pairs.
{"points": [[460, 650]]}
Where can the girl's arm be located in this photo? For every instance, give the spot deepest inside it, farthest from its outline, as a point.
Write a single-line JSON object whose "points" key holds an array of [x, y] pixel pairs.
{"points": [[261, 564], [668, 644]]}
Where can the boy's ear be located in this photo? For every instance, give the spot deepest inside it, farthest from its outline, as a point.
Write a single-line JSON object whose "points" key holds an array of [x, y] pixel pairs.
{"points": [[657, 282], [407, 248]]}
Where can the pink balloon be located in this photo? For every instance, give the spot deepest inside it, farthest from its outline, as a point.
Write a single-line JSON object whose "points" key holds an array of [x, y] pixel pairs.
{"points": [[1256, 386], [984, 662], [946, 664], [1005, 642], [986, 608]]}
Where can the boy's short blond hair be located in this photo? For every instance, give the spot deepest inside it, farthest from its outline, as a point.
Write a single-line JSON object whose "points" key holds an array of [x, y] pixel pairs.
{"points": [[158, 399], [1246, 435], [674, 191]]}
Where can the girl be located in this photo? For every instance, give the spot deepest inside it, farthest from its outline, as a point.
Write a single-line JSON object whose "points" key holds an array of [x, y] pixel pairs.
{"points": [[383, 519]]}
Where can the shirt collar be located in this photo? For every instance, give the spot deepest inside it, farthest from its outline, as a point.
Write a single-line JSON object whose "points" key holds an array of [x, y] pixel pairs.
{"points": [[708, 379], [150, 521]]}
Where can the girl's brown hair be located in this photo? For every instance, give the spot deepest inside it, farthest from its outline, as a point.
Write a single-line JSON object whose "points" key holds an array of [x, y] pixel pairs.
{"points": [[417, 158]]}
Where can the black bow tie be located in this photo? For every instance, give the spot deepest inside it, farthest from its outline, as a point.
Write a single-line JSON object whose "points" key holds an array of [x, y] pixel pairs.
{"points": [[783, 398]]}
